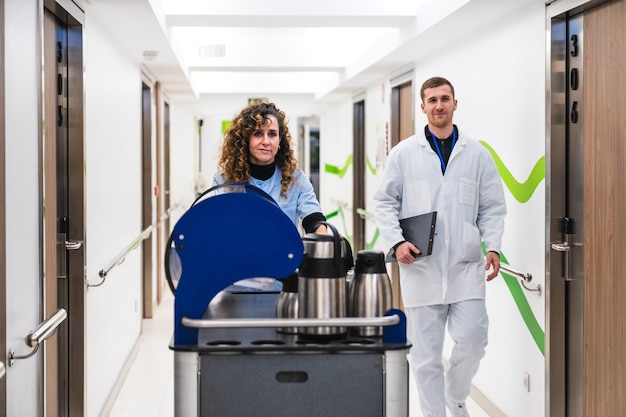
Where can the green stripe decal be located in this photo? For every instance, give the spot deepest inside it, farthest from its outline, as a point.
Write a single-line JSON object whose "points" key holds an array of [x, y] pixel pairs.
{"points": [[521, 191], [340, 172], [335, 170], [512, 282]]}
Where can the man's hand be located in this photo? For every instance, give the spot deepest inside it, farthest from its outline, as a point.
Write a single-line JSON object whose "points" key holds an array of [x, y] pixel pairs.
{"points": [[493, 260], [406, 253]]}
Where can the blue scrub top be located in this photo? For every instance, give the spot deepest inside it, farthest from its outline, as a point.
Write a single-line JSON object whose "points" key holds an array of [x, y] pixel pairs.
{"points": [[301, 200]]}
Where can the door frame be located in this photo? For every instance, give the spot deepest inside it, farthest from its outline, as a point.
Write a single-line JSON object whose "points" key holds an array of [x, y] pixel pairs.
{"points": [[73, 331], [146, 197], [3, 292], [565, 338], [358, 175], [400, 86]]}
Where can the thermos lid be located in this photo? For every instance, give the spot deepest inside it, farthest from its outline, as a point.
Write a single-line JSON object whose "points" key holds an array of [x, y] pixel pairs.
{"points": [[326, 255], [370, 262]]}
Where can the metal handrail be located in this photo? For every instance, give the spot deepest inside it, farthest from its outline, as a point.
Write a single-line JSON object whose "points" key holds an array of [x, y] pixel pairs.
{"points": [[525, 277], [121, 257], [390, 320], [34, 339], [365, 214]]}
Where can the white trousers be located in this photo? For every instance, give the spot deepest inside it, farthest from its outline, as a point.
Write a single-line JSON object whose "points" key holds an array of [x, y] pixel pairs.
{"points": [[468, 327]]}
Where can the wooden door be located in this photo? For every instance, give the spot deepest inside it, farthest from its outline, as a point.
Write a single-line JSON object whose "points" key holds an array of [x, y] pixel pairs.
{"points": [[402, 126], [604, 110], [586, 334]]}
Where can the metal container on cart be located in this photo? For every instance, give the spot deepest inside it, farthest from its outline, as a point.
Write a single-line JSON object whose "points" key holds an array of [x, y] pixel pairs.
{"points": [[322, 281]]}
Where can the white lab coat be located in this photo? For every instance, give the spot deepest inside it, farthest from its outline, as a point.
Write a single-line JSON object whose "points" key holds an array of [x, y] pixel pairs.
{"points": [[470, 205]]}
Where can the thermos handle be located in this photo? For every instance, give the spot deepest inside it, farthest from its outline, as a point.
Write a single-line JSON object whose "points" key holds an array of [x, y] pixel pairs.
{"points": [[336, 237]]}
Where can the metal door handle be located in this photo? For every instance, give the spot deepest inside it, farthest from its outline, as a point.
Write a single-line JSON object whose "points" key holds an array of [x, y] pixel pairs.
{"points": [[561, 247], [566, 249], [73, 244]]}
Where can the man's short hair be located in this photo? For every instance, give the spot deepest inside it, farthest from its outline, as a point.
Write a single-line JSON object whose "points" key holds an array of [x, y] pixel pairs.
{"points": [[433, 83]]}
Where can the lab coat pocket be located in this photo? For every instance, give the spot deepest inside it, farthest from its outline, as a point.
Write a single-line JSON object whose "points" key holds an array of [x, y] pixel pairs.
{"points": [[467, 192], [416, 199], [470, 247]]}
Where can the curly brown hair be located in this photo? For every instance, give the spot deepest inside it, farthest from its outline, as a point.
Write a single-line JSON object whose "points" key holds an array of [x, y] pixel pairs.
{"points": [[234, 162]]}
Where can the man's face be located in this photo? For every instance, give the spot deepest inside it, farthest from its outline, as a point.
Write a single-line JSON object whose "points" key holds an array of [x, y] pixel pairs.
{"points": [[439, 106]]}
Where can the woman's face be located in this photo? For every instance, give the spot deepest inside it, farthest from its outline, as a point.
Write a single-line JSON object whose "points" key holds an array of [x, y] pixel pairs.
{"points": [[263, 143]]}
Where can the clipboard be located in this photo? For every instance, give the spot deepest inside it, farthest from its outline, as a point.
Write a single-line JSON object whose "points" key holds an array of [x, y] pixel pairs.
{"points": [[419, 230]]}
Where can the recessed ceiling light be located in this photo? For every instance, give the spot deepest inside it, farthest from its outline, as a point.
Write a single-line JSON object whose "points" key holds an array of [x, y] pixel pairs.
{"points": [[212, 51], [150, 55]]}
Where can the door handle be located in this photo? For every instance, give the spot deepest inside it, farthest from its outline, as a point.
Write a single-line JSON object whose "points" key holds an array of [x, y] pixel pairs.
{"points": [[560, 247], [73, 244], [565, 248]]}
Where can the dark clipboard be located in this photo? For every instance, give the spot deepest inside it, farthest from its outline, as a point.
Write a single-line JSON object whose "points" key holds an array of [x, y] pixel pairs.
{"points": [[420, 231]]}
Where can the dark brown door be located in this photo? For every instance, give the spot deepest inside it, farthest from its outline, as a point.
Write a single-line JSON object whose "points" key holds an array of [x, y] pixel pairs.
{"points": [[146, 196], [358, 176], [402, 126], [64, 227]]}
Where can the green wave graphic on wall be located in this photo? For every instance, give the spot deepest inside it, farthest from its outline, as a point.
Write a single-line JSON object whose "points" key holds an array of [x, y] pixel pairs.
{"points": [[522, 192], [341, 172], [339, 212], [515, 288], [335, 170]]}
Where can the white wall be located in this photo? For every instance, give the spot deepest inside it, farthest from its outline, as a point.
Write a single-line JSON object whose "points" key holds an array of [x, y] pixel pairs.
{"points": [[335, 147], [22, 200], [113, 209]]}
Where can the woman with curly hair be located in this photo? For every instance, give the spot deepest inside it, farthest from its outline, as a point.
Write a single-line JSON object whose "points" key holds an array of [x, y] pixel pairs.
{"points": [[257, 150]]}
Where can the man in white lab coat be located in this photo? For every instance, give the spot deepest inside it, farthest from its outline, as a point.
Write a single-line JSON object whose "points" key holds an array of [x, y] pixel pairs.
{"points": [[440, 169]]}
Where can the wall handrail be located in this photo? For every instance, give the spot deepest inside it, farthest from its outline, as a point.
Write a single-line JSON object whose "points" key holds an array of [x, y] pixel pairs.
{"points": [[121, 256], [525, 277], [34, 339], [366, 214]]}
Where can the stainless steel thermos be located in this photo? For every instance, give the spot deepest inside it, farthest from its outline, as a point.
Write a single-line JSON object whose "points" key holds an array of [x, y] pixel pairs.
{"points": [[322, 281], [287, 302], [370, 291]]}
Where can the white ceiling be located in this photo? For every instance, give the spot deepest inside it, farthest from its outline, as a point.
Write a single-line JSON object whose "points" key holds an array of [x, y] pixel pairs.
{"points": [[328, 48], [251, 47], [280, 46]]}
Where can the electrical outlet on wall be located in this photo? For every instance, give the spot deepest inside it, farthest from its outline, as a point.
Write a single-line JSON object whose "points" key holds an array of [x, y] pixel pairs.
{"points": [[527, 381]]}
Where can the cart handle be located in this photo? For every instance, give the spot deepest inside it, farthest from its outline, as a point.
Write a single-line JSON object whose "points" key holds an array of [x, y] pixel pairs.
{"points": [[391, 320]]}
